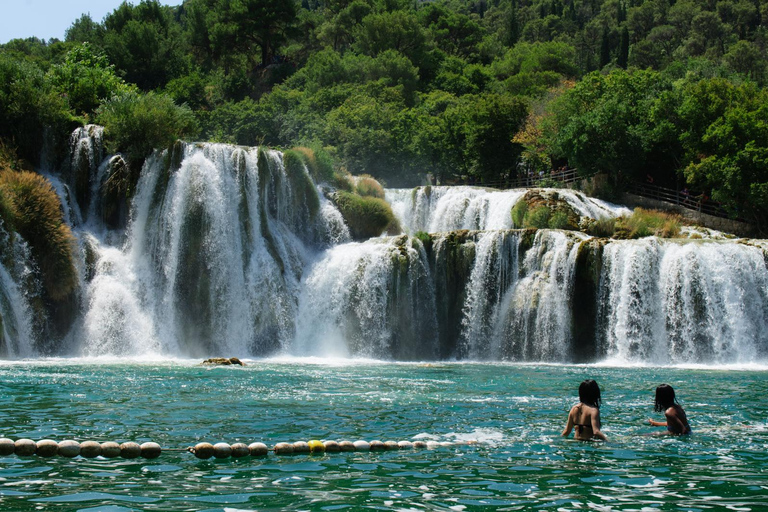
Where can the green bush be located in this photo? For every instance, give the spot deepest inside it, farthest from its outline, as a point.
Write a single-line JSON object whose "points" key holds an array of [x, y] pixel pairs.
{"points": [[135, 124], [559, 220], [368, 186], [366, 217], [318, 161], [537, 218], [518, 213], [31, 207]]}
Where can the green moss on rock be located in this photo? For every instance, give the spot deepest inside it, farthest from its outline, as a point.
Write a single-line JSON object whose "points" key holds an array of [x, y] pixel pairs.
{"points": [[366, 217]]}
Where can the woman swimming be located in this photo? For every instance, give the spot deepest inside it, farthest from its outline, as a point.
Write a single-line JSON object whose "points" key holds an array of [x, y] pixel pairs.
{"points": [[585, 415], [677, 421]]}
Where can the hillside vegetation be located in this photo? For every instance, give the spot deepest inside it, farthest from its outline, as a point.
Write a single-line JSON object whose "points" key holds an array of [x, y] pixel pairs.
{"points": [[656, 90]]}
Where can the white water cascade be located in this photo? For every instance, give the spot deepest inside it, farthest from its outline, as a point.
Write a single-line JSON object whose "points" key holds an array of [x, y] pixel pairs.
{"points": [[684, 302], [213, 258], [440, 209], [233, 251]]}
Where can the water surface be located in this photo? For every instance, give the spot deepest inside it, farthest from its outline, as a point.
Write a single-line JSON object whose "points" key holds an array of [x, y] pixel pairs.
{"points": [[515, 412]]}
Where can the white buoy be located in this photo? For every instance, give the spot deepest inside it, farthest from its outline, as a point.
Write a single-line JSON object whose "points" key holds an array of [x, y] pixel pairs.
{"points": [[432, 445], [419, 444], [69, 448], [222, 450], [391, 445], [150, 450], [203, 450], [331, 446], [240, 450], [362, 446], [377, 446], [283, 449], [47, 448], [258, 449], [405, 445], [7, 447], [25, 447], [90, 449], [301, 447], [130, 450], [346, 446], [110, 450]]}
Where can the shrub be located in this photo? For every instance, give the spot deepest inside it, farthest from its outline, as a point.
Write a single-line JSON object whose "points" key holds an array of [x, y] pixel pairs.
{"points": [[34, 211], [603, 228], [135, 124], [368, 186], [537, 218], [366, 217], [318, 161], [643, 223], [518, 213], [559, 220]]}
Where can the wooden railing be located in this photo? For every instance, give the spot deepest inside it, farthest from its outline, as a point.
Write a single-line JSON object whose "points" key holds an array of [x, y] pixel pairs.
{"points": [[531, 181], [696, 201]]}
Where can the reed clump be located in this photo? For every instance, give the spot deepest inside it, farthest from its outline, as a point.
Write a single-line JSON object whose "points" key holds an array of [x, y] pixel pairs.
{"points": [[30, 207]]}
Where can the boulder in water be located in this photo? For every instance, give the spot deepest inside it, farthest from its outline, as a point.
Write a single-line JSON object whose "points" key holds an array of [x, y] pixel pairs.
{"points": [[223, 361]]}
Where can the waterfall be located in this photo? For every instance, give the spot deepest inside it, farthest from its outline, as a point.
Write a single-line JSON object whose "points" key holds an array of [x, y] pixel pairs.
{"points": [[372, 299], [439, 209], [674, 302], [519, 308], [230, 250], [214, 255]]}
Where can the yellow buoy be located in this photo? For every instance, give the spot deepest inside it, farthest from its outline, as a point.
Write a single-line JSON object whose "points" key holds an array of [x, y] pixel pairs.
{"points": [[316, 446]]}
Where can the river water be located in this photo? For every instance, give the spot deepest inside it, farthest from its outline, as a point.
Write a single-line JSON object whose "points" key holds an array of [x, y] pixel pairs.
{"points": [[515, 413]]}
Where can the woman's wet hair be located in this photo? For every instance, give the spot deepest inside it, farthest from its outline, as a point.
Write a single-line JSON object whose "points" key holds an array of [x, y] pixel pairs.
{"points": [[589, 393], [665, 398]]}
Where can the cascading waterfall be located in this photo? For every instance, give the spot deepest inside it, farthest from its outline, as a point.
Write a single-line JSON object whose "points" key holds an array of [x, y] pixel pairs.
{"points": [[372, 299], [213, 259], [235, 251], [675, 302], [520, 310], [439, 209]]}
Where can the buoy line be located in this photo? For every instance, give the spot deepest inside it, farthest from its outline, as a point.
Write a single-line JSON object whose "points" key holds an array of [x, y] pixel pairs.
{"points": [[150, 450]]}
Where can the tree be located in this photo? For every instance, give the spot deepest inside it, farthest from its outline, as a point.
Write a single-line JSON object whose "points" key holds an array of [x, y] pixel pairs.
{"points": [[86, 78], [144, 42], [247, 27]]}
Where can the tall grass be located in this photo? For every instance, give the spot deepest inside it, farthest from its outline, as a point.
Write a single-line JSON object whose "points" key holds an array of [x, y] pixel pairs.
{"points": [[35, 213]]}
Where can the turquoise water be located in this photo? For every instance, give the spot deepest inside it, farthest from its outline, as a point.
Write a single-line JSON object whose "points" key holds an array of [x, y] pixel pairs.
{"points": [[516, 412]]}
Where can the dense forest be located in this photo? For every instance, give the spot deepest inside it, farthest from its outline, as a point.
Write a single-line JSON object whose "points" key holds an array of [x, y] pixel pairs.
{"points": [[486, 90]]}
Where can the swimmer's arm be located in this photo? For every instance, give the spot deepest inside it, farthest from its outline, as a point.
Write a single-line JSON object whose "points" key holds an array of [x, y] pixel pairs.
{"points": [[568, 425], [654, 423], [596, 426]]}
